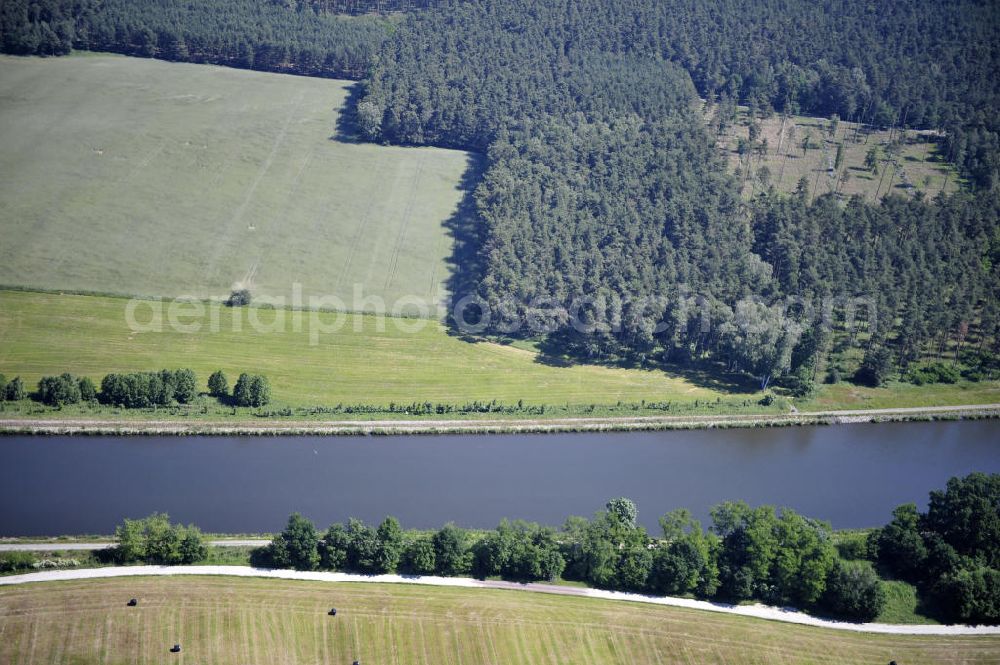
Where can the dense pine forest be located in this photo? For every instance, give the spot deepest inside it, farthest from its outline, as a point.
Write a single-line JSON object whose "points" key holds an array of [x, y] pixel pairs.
{"points": [[249, 34], [602, 189], [604, 200]]}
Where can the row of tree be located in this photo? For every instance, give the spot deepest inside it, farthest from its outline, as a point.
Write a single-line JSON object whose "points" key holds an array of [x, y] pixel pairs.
{"points": [[135, 390], [750, 553], [951, 552]]}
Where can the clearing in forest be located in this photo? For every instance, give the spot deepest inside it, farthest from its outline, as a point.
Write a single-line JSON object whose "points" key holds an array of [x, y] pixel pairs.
{"points": [[873, 162]]}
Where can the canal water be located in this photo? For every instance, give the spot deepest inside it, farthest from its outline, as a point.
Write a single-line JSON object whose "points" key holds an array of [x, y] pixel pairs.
{"points": [[850, 475]]}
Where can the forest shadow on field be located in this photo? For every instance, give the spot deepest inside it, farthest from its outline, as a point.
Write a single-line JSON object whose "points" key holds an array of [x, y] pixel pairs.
{"points": [[346, 128], [708, 375], [465, 266]]}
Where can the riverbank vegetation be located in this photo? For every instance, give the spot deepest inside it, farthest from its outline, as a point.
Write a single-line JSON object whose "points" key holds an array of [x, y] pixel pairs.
{"points": [[918, 568], [951, 552], [750, 554], [763, 554], [155, 540]]}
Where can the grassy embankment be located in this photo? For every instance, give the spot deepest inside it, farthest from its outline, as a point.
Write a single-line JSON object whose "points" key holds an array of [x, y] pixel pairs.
{"points": [[228, 620]]}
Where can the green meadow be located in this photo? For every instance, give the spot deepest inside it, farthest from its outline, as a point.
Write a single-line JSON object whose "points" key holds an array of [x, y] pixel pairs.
{"points": [[401, 360], [133, 176]]}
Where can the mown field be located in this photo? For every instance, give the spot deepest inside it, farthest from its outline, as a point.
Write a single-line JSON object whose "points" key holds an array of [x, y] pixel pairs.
{"points": [[42, 334], [914, 165], [229, 620], [135, 176]]}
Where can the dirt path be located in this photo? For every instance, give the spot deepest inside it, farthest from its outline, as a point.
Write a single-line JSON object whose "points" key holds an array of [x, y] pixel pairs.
{"points": [[786, 615], [512, 425]]}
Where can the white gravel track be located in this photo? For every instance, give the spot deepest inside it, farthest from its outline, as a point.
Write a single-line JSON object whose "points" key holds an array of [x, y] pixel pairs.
{"points": [[786, 615]]}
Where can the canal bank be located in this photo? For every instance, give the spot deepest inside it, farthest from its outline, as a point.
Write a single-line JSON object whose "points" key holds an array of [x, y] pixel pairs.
{"points": [[279, 426]]}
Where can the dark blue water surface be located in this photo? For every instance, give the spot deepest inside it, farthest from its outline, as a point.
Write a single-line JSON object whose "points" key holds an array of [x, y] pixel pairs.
{"points": [[851, 475]]}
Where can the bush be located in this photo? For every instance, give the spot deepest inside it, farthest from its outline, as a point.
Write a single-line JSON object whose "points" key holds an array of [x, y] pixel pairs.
{"points": [[260, 390], [854, 592], [218, 384], [155, 540], [3, 387], [185, 386], [88, 393], [799, 386], [16, 390], [373, 551], [967, 516], [900, 547], [49, 564], [969, 596], [59, 390], [832, 377], [239, 298], [874, 369], [933, 373], [519, 551], [263, 557], [418, 557], [297, 546], [133, 391], [11, 562], [333, 548], [853, 547], [451, 551], [252, 390]]}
